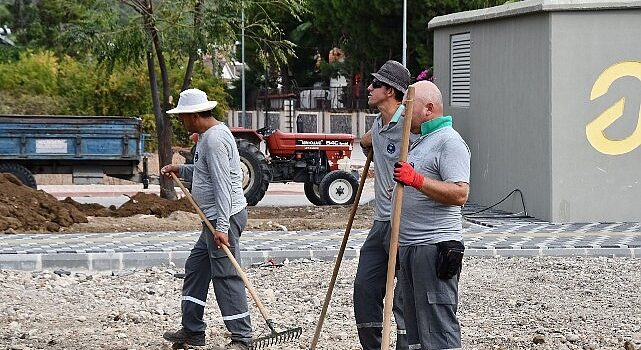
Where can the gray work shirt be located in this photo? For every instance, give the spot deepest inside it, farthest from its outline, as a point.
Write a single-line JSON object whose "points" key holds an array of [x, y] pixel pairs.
{"points": [[441, 155], [216, 176], [386, 142]]}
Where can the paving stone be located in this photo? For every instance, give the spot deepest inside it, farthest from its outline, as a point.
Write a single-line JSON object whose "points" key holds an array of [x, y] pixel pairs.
{"points": [[493, 233], [68, 261]]}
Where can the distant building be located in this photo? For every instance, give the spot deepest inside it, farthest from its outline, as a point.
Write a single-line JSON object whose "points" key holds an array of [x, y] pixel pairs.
{"points": [[4, 33], [229, 70], [547, 94]]}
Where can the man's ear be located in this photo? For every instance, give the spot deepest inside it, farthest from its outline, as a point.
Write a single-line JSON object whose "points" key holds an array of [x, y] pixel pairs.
{"points": [[390, 91], [429, 107]]}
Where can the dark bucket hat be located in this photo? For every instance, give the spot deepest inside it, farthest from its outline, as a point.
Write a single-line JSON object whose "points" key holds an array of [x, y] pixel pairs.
{"points": [[394, 74]]}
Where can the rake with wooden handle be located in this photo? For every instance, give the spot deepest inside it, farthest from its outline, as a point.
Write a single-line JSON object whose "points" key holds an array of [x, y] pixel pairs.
{"points": [[341, 251], [396, 216], [268, 340]]}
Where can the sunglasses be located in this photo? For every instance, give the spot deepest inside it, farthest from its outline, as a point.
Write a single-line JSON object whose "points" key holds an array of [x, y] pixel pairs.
{"points": [[377, 83]]}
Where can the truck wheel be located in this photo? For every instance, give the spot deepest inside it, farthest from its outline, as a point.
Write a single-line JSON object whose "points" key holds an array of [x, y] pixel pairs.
{"points": [[23, 174], [338, 187], [256, 172], [312, 192]]}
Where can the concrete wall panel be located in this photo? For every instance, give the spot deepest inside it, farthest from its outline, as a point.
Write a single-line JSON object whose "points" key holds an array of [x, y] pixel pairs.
{"points": [[587, 49], [507, 125]]}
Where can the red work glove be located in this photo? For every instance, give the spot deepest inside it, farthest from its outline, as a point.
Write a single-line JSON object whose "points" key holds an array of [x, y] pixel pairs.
{"points": [[404, 173]]}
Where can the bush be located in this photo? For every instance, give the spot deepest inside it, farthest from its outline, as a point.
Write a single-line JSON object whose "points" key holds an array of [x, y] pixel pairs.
{"points": [[31, 104], [43, 83], [32, 74]]}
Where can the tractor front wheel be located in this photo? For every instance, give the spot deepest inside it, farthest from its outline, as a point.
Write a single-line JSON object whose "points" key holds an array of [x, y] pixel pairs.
{"points": [[338, 187], [256, 172]]}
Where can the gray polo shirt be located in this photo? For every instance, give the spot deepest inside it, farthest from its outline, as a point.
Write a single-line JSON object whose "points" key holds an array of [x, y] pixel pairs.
{"points": [[440, 155], [216, 176], [386, 142]]}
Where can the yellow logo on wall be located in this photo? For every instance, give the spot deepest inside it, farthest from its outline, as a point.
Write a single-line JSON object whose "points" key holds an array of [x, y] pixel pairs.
{"points": [[595, 129]]}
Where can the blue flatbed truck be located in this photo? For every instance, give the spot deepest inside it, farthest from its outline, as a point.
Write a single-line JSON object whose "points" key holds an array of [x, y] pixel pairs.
{"points": [[87, 147]]}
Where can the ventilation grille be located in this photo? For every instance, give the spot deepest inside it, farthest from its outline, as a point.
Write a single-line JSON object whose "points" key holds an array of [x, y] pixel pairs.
{"points": [[460, 45]]}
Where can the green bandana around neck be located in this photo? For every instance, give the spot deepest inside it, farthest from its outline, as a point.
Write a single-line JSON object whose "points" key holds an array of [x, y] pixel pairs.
{"points": [[397, 115], [435, 124]]}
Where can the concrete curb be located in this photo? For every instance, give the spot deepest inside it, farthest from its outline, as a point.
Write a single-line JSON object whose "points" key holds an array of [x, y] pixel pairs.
{"points": [[130, 260]]}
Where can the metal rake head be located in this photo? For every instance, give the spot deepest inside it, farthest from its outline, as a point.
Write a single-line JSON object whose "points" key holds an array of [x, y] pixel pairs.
{"points": [[276, 338]]}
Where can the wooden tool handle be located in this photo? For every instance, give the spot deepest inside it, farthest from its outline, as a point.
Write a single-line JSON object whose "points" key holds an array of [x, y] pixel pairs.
{"points": [[396, 218], [341, 251]]}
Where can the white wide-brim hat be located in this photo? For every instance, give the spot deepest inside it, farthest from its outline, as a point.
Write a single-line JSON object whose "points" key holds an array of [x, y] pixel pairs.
{"points": [[193, 101]]}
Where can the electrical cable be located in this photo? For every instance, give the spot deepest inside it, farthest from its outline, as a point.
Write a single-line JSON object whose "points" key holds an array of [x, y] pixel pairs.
{"points": [[501, 216]]}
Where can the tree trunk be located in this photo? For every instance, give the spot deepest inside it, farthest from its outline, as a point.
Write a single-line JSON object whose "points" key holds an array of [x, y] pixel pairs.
{"points": [[165, 153], [164, 130]]}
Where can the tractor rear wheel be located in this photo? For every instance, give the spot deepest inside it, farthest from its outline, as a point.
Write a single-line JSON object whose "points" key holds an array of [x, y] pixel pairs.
{"points": [[338, 187], [23, 174], [312, 192], [256, 172]]}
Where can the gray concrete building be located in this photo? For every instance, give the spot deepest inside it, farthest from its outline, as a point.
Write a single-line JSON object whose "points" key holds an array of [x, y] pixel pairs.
{"points": [[547, 94]]}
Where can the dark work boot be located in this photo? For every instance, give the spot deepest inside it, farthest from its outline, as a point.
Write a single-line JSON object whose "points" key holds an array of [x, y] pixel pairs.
{"points": [[182, 336]]}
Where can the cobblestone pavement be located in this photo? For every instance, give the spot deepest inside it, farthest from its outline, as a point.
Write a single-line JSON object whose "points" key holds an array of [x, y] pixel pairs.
{"points": [[494, 233]]}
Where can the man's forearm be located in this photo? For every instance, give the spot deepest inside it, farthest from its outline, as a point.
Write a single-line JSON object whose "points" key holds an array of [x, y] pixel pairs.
{"points": [[450, 193], [186, 171]]}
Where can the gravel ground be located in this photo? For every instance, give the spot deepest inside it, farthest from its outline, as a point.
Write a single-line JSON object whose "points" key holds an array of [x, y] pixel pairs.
{"points": [[506, 303]]}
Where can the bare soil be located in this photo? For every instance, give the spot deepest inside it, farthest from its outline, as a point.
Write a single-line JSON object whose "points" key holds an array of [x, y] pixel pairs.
{"points": [[23, 209]]}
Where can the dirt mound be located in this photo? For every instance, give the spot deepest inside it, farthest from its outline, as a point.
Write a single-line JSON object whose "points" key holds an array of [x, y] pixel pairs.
{"points": [[24, 209], [140, 203], [151, 204], [90, 209]]}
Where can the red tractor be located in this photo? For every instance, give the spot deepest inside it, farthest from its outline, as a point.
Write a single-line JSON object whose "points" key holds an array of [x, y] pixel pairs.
{"points": [[320, 161]]}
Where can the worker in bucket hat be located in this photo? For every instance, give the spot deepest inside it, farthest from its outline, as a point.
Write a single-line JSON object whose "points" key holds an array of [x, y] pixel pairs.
{"points": [[386, 92]]}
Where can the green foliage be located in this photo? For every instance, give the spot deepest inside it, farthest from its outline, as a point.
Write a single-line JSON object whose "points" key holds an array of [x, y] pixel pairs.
{"points": [[149, 127], [30, 104], [41, 83], [9, 53], [41, 24], [34, 74], [123, 91], [206, 81], [81, 88], [370, 31], [332, 70], [89, 57], [5, 13]]}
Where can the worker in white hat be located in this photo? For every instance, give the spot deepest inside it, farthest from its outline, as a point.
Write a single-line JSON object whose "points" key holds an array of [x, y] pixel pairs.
{"points": [[217, 189]]}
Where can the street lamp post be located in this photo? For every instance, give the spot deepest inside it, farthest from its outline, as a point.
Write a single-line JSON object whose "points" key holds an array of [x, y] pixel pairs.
{"points": [[242, 61], [405, 33]]}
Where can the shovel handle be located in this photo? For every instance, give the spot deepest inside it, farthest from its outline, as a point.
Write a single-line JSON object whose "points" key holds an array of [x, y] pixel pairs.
{"points": [[241, 273], [341, 251], [396, 218]]}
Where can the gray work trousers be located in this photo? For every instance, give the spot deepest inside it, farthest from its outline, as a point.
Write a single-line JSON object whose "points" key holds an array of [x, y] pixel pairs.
{"points": [[369, 290], [430, 302], [208, 263]]}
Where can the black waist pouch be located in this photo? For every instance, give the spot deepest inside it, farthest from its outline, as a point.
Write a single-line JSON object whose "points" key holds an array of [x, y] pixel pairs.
{"points": [[450, 259]]}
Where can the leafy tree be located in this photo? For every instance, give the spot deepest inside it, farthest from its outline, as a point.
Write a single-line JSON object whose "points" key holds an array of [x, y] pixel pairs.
{"points": [[41, 24], [370, 31], [170, 33]]}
